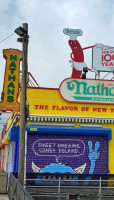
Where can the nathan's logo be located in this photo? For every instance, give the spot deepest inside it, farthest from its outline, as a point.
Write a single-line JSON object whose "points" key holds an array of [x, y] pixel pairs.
{"points": [[11, 80], [93, 91]]}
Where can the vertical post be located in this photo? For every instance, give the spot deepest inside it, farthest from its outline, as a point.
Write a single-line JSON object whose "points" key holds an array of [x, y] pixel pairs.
{"points": [[25, 158], [100, 189], [98, 75], [59, 185], [23, 106]]}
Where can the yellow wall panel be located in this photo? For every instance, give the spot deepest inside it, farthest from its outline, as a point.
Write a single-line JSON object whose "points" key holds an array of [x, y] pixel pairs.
{"points": [[49, 102]]}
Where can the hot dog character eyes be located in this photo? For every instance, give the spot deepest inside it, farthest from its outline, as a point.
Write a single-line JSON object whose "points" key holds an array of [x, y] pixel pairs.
{"points": [[77, 52]]}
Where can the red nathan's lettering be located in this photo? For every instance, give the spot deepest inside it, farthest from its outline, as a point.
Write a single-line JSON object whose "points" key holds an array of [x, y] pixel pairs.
{"points": [[108, 64], [85, 108], [107, 57], [64, 108], [99, 109], [112, 109], [41, 107]]}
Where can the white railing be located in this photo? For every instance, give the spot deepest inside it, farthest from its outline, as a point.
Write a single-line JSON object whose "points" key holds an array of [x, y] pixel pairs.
{"points": [[52, 184]]}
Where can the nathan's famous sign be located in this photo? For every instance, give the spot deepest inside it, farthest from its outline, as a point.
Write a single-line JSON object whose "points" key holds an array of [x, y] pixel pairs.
{"points": [[88, 91], [11, 81]]}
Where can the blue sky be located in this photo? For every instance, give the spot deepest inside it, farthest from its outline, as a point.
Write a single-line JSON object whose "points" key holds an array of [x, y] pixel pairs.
{"points": [[49, 52]]}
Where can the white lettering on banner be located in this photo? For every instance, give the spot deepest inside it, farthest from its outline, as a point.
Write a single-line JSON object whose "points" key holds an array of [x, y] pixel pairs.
{"points": [[59, 148]]}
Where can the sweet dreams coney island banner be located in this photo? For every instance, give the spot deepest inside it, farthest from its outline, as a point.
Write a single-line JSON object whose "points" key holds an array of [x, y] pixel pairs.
{"points": [[73, 154]]}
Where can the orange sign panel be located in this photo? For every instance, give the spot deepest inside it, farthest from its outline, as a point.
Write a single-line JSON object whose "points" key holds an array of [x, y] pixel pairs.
{"points": [[11, 80]]}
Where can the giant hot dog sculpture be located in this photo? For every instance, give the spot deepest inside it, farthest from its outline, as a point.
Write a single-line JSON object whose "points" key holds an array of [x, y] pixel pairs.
{"points": [[77, 55]]}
